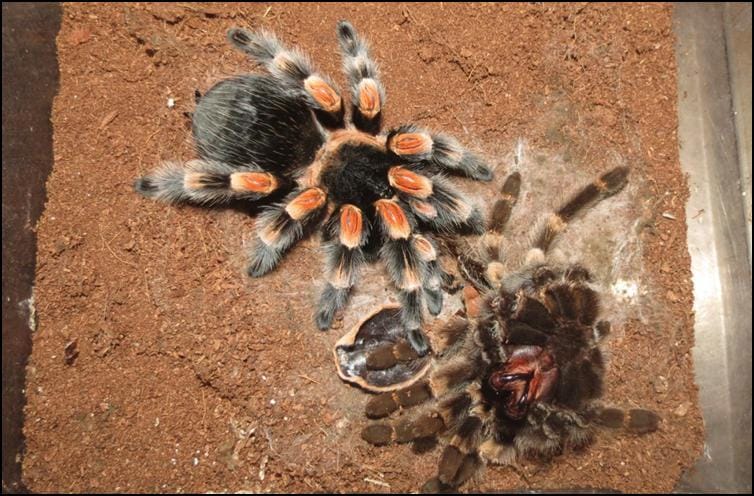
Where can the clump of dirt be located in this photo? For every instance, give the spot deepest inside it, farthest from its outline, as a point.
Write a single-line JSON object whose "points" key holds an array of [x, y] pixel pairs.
{"points": [[157, 365]]}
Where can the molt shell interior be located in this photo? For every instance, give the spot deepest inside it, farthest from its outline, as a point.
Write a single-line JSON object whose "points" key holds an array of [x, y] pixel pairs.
{"points": [[381, 328]]}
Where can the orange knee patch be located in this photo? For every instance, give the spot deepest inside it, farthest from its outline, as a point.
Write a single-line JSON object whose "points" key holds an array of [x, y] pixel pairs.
{"points": [[394, 219], [462, 209], [409, 182], [257, 182], [323, 93], [369, 98], [425, 248], [307, 202], [424, 208], [411, 144], [351, 226]]}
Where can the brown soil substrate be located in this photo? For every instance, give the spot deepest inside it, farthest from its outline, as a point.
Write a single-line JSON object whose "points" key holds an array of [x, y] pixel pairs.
{"points": [[188, 376]]}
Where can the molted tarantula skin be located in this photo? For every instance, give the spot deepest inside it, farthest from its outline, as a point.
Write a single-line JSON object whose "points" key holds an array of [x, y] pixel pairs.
{"points": [[284, 135], [523, 376]]}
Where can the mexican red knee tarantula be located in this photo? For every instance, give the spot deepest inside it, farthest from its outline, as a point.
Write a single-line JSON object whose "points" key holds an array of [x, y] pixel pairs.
{"points": [[261, 138], [521, 378]]}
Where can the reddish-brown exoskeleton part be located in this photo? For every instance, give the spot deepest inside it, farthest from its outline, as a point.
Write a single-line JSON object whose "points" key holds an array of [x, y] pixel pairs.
{"points": [[530, 374]]}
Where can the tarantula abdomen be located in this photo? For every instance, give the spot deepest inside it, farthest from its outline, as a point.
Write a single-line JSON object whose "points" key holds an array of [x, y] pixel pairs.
{"points": [[254, 119], [530, 374]]}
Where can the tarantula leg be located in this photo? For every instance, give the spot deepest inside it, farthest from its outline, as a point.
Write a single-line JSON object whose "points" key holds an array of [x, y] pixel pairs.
{"points": [[415, 144], [295, 68], [435, 201], [435, 486], [282, 226], [471, 269], [455, 372], [206, 182], [572, 301], [432, 283], [384, 404], [636, 420], [409, 182], [406, 266], [494, 451], [404, 430], [367, 91], [456, 466], [605, 186], [390, 354], [345, 258], [501, 211], [460, 459], [601, 330], [642, 421], [451, 332], [415, 424]]}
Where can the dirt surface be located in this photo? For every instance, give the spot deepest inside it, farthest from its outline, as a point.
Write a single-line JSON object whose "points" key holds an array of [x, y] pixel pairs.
{"points": [[157, 365]]}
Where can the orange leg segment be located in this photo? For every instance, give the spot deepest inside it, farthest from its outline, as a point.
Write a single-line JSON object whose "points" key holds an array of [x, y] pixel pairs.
{"points": [[409, 182], [257, 182], [306, 203], [394, 219], [323, 93], [351, 226], [411, 144], [369, 98]]}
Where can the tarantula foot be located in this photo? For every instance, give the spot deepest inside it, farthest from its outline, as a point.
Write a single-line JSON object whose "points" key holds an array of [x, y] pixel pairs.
{"points": [[324, 320], [476, 169], [144, 186], [377, 353], [602, 328], [418, 342], [611, 417], [384, 404], [436, 486], [578, 273], [377, 434], [263, 261], [381, 406], [642, 421], [332, 299]]}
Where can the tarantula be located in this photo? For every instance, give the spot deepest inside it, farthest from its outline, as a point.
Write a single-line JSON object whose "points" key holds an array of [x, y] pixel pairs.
{"points": [[521, 377], [261, 138]]}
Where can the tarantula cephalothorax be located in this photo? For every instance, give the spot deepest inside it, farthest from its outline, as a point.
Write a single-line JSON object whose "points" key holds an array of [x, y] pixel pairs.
{"points": [[261, 138], [520, 378]]}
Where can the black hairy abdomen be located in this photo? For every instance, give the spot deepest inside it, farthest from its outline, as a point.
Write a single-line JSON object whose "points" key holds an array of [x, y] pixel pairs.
{"points": [[358, 175], [255, 119]]}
